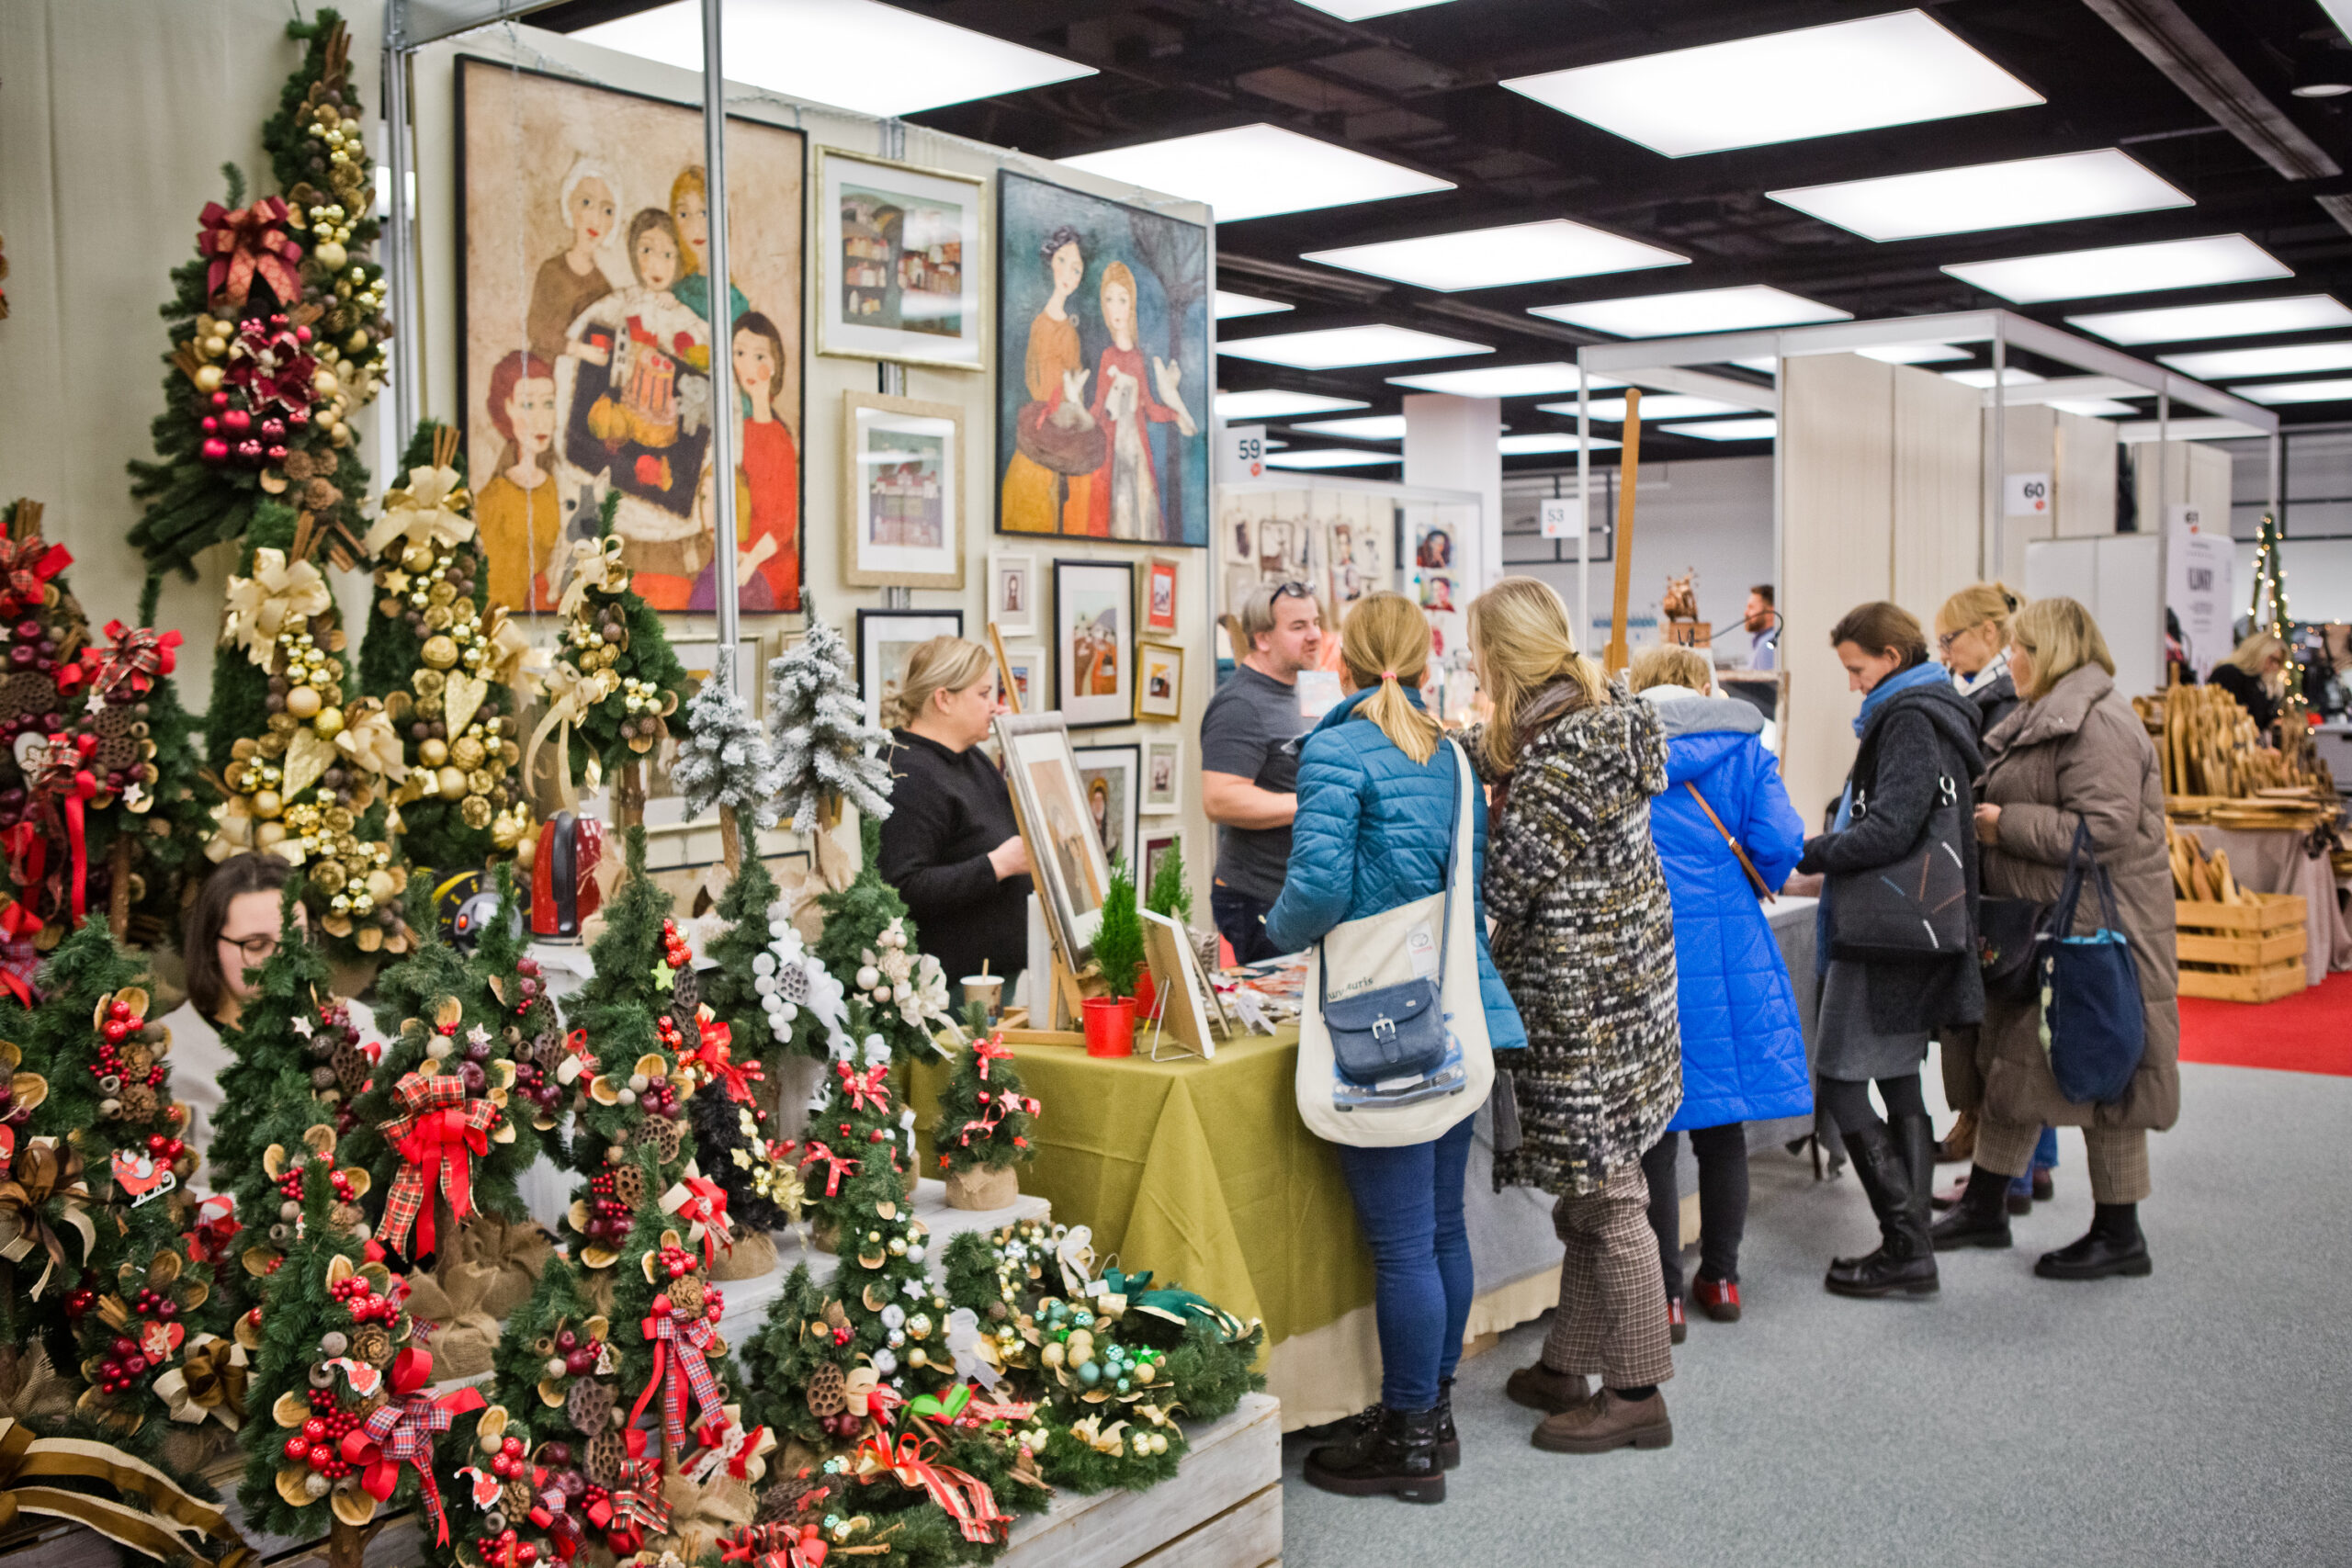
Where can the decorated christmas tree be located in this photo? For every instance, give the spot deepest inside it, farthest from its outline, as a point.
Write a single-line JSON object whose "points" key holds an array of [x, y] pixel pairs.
{"points": [[725, 762], [982, 1134], [444, 662], [615, 680], [824, 747], [2269, 610], [869, 944], [502, 965], [556, 1375], [857, 1127], [302, 765], [278, 332], [763, 982]]}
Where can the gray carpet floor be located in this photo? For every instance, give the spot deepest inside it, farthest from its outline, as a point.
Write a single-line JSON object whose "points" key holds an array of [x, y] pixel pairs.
{"points": [[2201, 1415]]}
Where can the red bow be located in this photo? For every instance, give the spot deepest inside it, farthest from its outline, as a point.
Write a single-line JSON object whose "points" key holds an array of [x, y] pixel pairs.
{"points": [[438, 1138], [993, 1049], [705, 1204], [872, 1084], [138, 655], [246, 242], [776, 1546], [60, 782], [27, 563], [714, 1056], [965, 1498], [402, 1431], [838, 1166], [680, 1366]]}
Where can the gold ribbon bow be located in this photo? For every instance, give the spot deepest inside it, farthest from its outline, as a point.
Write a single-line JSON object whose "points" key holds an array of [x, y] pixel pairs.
{"points": [[369, 738], [162, 1529], [208, 1382], [508, 646], [571, 695], [279, 591], [596, 563], [43, 1169], [1090, 1431], [430, 510]]}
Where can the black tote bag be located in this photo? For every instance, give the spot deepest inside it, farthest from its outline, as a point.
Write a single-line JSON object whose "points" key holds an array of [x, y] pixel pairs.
{"points": [[1914, 907], [2092, 1021]]}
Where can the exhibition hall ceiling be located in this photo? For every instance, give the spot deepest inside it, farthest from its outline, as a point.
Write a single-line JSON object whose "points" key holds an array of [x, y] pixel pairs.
{"points": [[1463, 193]]}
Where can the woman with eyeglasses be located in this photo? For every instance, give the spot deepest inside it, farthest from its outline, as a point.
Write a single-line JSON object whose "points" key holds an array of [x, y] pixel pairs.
{"points": [[230, 931]]}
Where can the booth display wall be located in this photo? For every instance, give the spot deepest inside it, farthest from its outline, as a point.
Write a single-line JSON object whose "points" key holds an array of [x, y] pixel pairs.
{"points": [[2078, 454]]}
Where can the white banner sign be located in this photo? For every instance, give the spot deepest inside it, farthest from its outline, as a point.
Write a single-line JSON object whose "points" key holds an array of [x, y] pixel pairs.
{"points": [[2200, 567], [2027, 495]]}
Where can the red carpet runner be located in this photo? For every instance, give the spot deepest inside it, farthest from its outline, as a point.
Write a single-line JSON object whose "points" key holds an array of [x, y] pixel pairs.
{"points": [[2310, 1032]]}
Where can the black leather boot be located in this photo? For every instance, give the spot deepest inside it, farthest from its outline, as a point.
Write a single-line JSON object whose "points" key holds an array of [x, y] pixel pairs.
{"points": [[1905, 1260], [1981, 1218], [1395, 1453], [1449, 1441], [2112, 1246]]}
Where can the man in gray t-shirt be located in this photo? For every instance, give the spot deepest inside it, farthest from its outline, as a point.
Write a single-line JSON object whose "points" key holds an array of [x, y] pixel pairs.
{"points": [[1250, 761]]}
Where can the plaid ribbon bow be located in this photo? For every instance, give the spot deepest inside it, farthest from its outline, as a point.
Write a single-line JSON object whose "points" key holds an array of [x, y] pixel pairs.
{"points": [[680, 1367], [873, 1084], [776, 1546], [244, 244], [136, 654], [401, 1432], [837, 1165], [698, 1199], [438, 1137], [713, 1057], [63, 783], [965, 1498], [635, 1507], [27, 564]]}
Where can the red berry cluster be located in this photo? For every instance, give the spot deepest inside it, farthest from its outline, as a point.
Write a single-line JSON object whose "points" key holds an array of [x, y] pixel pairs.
{"points": [[359, 1296], [675, 950], [122, 1366], [534, 1086], [506, 1546], [152, 1303], [121, 1023], [676, 1262], [319, 1444], [579, 1353], [608, 1217], [271, 369], [509, 1461], [82, 1297]]}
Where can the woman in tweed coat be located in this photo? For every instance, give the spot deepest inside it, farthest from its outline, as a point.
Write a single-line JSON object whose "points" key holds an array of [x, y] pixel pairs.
{"points": [[1584, 938]]}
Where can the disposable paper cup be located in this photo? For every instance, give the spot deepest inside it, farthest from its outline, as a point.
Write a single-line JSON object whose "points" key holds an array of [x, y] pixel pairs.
{"points": [[988, 990]]}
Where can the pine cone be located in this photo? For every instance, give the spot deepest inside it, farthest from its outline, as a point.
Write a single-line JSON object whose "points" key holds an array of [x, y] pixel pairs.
{"points": [[517, 1498], [138, 1102], [827, 1395], [685, 1295], [372, 1345], [589, 1406]]}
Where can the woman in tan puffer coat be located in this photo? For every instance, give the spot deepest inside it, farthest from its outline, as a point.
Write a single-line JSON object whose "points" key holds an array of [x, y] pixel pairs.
{"points": [[2073, 754]]}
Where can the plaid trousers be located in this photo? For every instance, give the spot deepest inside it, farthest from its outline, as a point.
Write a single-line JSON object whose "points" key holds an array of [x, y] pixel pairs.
{"points": [[2118, 1157], [1611, 1319]]}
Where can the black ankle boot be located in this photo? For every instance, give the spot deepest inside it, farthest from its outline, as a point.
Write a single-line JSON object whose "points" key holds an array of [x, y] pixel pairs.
{"points": [[1905, 1260], [2112, 1246], [1449, 1441], [1981, 1218], [1395, 1452]]}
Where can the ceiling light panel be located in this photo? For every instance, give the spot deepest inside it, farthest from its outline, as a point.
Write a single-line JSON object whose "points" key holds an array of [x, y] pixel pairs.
{"points": [[1491, 258], [2011, 377], [1229, 306], [833, 52], [1271, 402], [1660, 405], [1336, 348], [1501, 381], [2297, 392], [2124, 269], [1827, 81], [1357, 10], [1987, 196], [2219, 364], [1913, 352], [1329, 458], [2242, 318], [1539, 440], [1256, 170], [1699, 310], [1371, 428], [1727, 429], [2093, 408]]}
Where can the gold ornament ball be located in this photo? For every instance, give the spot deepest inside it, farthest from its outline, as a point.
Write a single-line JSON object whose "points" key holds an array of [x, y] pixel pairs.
{"points": [[381, 886], [267, 803], [324, 384], [526, 851], [270, 834], [207, 379], [917, 1357], [331, 256], [433, 753], [453, 784], [416, 559], [303, 702], [329, 723], [440, 650], [1053, 1354]]}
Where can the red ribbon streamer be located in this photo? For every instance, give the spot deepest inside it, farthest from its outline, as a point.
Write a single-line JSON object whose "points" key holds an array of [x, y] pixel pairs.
{"points": [[965, 1497], [402, 1430], [993, 1049], [838, 1166], [680, 1367]]}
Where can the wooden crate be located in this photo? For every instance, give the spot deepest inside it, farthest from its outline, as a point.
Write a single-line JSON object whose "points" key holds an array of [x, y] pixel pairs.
{"points": [[2243, 952], [1221, 1509]]}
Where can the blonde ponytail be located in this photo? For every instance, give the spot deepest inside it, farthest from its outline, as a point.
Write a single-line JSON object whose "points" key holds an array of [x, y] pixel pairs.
{"points": [[1385, 643]]}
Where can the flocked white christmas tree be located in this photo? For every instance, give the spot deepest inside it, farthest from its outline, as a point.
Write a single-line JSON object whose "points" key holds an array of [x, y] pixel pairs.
{"points": [[824, 745], [725, 762]]}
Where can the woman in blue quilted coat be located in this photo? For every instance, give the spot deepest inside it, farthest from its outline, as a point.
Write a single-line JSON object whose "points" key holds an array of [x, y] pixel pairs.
{"points": [[1376, 795], [1742, 1055]]}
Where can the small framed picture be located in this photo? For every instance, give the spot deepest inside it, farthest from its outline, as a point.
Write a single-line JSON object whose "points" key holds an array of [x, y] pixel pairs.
{"points": [[1160, 688], [1094, 642], [1025, 676], [899, 260], [885, 639], [1108, 779], [902, 511], [1158, 846], [1012, 592], [1158, 612], [1163, 776]]}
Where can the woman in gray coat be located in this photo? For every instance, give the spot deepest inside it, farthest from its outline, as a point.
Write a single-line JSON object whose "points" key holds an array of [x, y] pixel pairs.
{"points": [[2074, 754]]}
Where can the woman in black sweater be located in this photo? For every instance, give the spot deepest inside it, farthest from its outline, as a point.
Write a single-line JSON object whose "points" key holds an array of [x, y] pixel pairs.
{"points": [[950, 845], [2247, 673]]}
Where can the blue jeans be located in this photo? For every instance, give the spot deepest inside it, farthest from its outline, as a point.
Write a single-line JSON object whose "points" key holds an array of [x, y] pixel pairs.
{"points": [[2045, 1158], [1408, 1204], [1241, 920]]}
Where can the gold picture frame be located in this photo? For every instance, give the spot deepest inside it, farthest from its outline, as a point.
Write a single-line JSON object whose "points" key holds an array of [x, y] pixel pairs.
{"points": [[902, 493], [866, 204]]}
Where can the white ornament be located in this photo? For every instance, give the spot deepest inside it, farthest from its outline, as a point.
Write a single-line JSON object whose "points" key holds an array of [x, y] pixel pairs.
{"points": [[868, 977], [764, 964]]}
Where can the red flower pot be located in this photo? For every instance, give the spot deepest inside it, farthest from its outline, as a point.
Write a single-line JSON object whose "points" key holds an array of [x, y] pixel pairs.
{"points": [[1110, 1026]]}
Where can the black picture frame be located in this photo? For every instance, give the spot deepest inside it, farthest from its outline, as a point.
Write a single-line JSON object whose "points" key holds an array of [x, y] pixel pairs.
{"points": [[871, 672], [1112, 593]]}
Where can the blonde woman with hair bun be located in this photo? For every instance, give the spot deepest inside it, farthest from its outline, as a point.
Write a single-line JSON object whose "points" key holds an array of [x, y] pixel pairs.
{"points": [[1973, 640], [1583, 936], [1377, 790], [950, 845]]}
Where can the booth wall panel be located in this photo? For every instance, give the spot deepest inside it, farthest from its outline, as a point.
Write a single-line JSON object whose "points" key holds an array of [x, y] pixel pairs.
{"points": [[2085, 480], [1938, 490]]}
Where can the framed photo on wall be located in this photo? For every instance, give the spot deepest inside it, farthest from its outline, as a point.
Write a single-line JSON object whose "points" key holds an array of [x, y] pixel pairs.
{"points": [[1160, 688], [885, 639], [1158, 612], [1103, 375], [1024, 672], [586, 358], [1163, 776], [1012, 592], [1110, 777], [1094, 642], [901, 254], [1158, 846], [1064, 853], [902, 496]]}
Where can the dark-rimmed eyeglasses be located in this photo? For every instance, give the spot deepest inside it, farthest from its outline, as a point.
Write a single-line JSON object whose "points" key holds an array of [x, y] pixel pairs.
{"points": [[257, 949], [1294, 591]]}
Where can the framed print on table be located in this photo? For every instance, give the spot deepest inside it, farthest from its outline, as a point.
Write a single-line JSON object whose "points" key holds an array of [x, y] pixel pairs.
{"points": [[1094, 642], [885, 639], [1163, 776], [902, 510], [1064, 855], [1158, 612], [1012, 592], [1108, 777], [901, 253], [1159, 687]]}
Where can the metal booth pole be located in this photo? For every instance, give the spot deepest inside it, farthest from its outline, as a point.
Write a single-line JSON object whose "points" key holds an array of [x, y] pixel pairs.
{"points": [[722, 345], [399, 253]]}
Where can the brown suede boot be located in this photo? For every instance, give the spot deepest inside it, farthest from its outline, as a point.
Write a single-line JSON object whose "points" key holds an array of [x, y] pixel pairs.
{"points": [[1607, 1422], [1539, 1388]]}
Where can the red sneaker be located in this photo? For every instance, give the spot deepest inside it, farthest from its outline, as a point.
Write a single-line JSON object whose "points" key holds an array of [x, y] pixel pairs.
{"points": [[1676, 1325], [1719, 1298]]}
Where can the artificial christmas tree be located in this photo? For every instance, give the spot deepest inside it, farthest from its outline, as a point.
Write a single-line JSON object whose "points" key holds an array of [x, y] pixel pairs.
{"points": [[2269, 609], [555, 1375], [725, 762], [763, 982], [825, 752], [279, 333], [1118, 941], [857, 1127], [1168, 894], [982, 1134], [444, 662], [869, 945]]}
